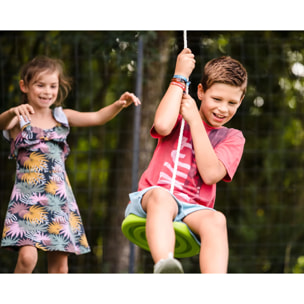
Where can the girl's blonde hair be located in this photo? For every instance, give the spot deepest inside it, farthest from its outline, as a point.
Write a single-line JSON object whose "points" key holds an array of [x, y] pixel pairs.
{"points": [[43, 63], [224, 70]]}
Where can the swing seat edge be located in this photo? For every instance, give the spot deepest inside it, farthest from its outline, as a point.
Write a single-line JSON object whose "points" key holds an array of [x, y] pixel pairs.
{"points": [[134, 229]]}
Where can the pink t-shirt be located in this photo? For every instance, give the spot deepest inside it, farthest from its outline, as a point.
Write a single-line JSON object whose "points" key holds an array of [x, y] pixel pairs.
{"points": [[189, 186]]}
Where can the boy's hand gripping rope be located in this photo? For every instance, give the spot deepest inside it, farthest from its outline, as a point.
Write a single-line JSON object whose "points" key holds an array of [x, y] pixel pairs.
{"points": [[180, 137]]}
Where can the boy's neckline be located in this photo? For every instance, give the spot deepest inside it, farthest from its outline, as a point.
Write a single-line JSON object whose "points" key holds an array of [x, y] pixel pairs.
{"points": [[210, 127]]}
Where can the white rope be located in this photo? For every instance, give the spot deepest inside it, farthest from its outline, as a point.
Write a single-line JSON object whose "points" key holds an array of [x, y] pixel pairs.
{"points": [[185, 39], [180, 137]]}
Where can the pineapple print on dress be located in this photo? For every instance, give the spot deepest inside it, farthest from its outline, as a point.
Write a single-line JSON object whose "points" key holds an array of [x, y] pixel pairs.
{"points": [[42, 211]]}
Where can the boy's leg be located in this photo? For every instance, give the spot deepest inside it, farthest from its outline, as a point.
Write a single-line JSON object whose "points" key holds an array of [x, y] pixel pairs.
{"points": [[211, 227], [27, 259], [57, 262], [161, 209]]}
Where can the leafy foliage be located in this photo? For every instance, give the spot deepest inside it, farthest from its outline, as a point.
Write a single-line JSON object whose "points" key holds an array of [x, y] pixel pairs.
{"points": [[265, 201]]}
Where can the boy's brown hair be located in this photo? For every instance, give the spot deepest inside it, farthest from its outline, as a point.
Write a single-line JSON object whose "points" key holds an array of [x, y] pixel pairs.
{"points": [[43, 63], [224, 70]]}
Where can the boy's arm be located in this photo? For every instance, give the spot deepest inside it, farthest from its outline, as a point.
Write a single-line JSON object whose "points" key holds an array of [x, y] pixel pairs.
{"points": [[169, 107], [211, 169], [90, 119]]}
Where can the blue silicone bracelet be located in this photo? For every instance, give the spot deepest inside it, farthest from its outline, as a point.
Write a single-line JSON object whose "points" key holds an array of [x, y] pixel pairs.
{"points": [[183, 78]]}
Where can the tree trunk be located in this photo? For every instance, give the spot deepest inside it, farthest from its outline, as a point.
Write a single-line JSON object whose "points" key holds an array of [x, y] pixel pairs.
{"points": [[156, 56]]}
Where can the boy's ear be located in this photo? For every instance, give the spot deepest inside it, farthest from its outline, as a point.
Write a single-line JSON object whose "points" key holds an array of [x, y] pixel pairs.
{"points": [[242, 99], [22, 86], [200, 91]]}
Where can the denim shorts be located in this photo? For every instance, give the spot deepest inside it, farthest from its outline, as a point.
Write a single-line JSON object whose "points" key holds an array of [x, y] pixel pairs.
{"points": [[184, 209]]}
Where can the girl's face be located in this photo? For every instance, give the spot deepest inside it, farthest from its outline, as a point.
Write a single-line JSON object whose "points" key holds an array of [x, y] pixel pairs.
{"points": [[219, 103], [42, 91]]}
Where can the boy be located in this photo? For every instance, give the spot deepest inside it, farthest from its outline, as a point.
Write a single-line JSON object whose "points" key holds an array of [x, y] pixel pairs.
{"points": [[204, 160]]}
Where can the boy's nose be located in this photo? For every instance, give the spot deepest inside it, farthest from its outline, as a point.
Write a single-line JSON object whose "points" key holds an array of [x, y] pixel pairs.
{"points": [[222, 109]]}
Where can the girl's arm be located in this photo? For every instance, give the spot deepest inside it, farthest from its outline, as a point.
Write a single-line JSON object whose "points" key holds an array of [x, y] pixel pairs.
{"points": [[211, 169], [89, 119], [9, 119], [169, 107]]}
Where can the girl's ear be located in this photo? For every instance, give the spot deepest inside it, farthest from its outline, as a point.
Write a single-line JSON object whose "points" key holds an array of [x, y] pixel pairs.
{"points": [[23, 87]]}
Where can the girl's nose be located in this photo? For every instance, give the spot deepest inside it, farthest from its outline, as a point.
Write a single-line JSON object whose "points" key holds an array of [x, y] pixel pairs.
{"points": [[47, 90]]}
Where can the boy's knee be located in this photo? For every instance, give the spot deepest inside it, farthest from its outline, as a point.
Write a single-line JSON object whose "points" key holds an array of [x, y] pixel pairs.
{"points": [[158, 194], [219, 220], [159, 198]]}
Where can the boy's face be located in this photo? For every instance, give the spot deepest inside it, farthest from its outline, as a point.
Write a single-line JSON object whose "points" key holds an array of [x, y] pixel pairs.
{"points": [[219, 103]]}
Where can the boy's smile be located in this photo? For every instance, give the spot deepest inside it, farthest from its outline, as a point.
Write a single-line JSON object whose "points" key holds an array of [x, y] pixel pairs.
{"points": [[219, 103]]}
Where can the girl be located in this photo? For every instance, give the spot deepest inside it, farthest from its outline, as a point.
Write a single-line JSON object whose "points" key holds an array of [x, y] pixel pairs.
{"points": [[42, 212]]}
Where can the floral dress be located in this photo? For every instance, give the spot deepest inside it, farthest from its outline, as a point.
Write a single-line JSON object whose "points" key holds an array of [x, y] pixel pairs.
{"points": [[42, 211]]}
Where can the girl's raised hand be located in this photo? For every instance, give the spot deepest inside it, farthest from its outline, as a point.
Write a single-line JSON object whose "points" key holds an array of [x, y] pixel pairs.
{"points": [[24, 110], [185, 63], [127, 99]]}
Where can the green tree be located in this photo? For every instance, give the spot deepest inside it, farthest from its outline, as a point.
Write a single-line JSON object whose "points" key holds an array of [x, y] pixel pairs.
{"points": [[264, 202]]}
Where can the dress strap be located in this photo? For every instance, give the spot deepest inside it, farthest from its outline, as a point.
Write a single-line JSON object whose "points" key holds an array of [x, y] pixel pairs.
{"points": [[60, 116], [6, 135], [22, 123]]}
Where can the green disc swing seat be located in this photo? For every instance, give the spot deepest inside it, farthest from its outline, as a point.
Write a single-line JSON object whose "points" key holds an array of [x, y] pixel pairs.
{"points": [[134, 229]]}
